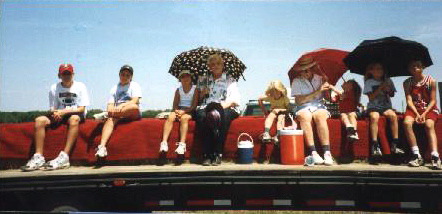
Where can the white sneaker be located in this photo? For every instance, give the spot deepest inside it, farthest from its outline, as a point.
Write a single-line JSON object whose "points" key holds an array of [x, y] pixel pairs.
{"points": [[354, 137], [317, 158], [101, 151], [60, 162], [275, 139], [435, 162], [181, 149], [101, 116], [266, 137], [36, 162], [328, 159], [164, 147]]}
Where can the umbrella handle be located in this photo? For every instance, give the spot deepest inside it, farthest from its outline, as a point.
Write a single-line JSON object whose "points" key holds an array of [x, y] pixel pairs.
{"points": [[323, 73]]}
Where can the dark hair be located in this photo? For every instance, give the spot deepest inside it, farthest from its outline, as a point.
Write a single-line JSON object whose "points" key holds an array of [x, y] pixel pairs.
{"points": [[368, 75], [357, 90], [415, 60]]}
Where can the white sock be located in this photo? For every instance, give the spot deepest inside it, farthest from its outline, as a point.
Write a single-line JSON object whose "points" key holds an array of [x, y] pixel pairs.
{"points": [[435, 154], [327, 153], [415, 150]]}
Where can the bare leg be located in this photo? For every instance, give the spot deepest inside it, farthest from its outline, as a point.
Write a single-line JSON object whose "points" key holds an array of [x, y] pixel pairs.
{"points": [[345, 119], [269, 120], [40, 133], [168, 126], [392, 117], [320, 118], [409, 133], [74, 122], [305, 119], [374, 119], [281, 122], [130, 111], [352, 117], [108, 128], [431, 134], [184, 126]]}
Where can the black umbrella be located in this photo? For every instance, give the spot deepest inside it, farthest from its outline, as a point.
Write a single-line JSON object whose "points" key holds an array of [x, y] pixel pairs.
{"points": [[393, 52], [195, 60]]}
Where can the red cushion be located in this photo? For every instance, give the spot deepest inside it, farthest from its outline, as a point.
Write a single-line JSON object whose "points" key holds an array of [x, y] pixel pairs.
{"points": [[139, 140]]}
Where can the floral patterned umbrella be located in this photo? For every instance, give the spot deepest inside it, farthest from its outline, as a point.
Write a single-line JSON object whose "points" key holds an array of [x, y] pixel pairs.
{"points": [[195, 60]]}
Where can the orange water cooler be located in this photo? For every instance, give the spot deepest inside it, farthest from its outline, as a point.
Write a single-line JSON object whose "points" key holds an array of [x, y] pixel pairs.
{"points": [[292, 147]]}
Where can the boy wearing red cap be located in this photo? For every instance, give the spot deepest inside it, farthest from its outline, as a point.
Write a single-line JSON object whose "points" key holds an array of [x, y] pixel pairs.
{"points": [[67, 100]]}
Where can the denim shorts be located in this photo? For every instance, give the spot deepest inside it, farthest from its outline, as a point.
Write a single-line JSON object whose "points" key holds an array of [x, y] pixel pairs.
{"points": [[310, 107]]}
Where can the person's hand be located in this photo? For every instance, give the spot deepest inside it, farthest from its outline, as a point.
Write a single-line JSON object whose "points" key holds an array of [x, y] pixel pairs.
{"points": [[339, 92], [57, 115], [384, 86], [420, 119], [119, 108], [423, 118], [110, 111], [325, 86], [179, 113], [225, 105], [116, 111], [277, 111]]}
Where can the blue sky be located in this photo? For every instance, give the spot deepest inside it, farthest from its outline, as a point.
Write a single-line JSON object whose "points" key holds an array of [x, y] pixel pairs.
{"points": [[99, 37]]}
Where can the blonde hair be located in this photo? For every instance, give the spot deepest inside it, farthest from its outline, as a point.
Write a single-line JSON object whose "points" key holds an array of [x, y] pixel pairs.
{"points": [[215, 58], [276, 85]]}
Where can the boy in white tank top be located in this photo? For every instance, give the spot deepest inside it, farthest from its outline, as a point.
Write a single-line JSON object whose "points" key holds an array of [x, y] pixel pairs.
{"points": [[184, 104]]}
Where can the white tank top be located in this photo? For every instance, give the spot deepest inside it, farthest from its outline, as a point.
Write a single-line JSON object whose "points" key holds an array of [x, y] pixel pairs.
{"points": [[186, 99]]}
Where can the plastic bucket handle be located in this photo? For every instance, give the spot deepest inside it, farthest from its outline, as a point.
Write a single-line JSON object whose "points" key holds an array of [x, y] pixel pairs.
{"points": [[291, 118], [244, 134]]}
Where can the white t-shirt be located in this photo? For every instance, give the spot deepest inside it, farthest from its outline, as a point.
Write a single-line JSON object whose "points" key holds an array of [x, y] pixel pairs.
{"points": [[186, 99], [68, 98], [123, 93], [223, 89], [301, 86]]}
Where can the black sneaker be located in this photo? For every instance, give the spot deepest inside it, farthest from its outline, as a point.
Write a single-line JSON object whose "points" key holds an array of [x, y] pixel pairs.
{"points": [[435, 162], [206, 161], [216, 161], [395, 150], [376, 150], [350, 130]]}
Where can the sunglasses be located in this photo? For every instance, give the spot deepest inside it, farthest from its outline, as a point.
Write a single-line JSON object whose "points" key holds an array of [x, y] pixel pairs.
{"points": [[66, 73]]}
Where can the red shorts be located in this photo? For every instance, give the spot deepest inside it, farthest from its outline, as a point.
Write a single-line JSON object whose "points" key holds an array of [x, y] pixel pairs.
{"points": [[431, 115]]}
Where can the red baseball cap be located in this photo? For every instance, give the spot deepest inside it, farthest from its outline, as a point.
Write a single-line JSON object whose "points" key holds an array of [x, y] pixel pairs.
{"points": [[65, 67]]}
